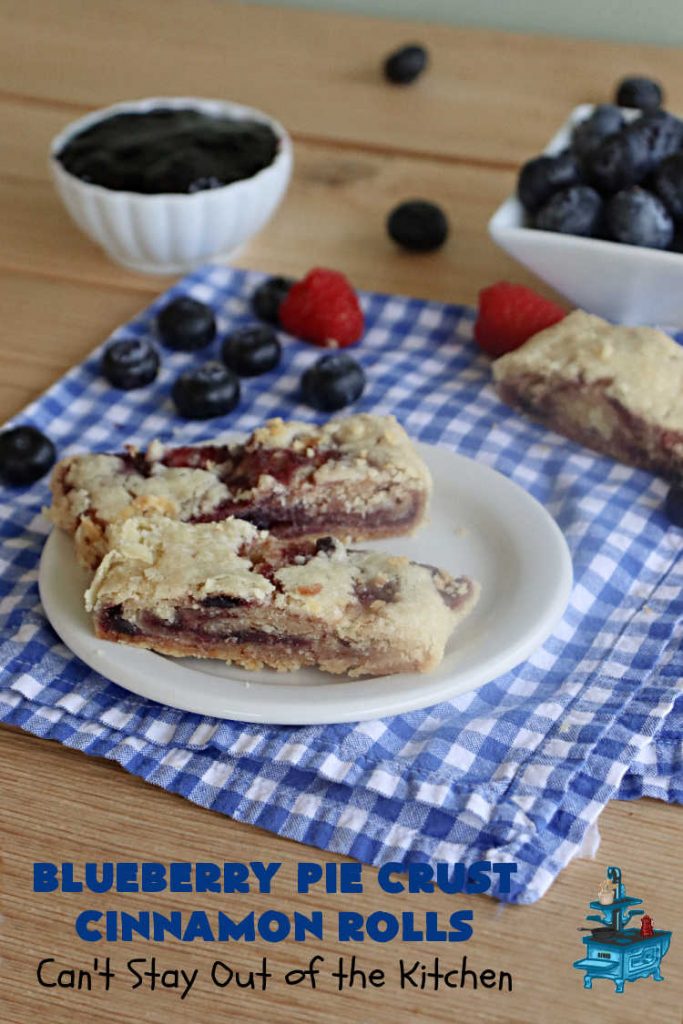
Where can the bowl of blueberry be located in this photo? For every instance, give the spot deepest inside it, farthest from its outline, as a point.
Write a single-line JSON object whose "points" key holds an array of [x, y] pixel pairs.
{"points": [[164, 184], [599, 214]]}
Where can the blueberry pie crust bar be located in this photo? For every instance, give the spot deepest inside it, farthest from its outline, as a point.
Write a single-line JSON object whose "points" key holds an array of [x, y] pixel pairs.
{"points": [[228, 590], [618, 390], [357, 477]]}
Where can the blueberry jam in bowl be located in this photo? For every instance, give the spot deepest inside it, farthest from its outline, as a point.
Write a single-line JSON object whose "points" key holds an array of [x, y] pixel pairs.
{"points": [[164, 184]]}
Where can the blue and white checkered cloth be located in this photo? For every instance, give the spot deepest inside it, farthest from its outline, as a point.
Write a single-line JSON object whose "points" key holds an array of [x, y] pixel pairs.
{"points": [[518, 770]]}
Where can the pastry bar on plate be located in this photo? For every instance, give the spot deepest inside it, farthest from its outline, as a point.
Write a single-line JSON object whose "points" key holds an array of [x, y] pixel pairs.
{"points": [[228, 590], [358, 477], [618, 390]]}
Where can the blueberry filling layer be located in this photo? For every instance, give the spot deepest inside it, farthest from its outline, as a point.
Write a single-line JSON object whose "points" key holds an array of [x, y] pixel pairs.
{"points": [[201, 628], [205, 457], [280, 463], [587, 414], [223, 601], [223, 618], [113, 621], [287, 518], [169, 150], [235, 466], [240, 470], [385, 591]]}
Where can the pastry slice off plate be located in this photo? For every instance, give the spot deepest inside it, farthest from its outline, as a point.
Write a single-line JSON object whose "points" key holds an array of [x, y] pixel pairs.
{"points": [[357, 477], [228, 590], [618, 390]]}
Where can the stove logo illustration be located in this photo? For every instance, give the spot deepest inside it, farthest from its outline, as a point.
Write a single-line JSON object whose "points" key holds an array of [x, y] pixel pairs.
{"points": [[613, 951]]}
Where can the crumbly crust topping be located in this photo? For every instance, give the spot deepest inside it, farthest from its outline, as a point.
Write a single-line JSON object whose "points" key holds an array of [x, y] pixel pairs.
{"points": [[99, 483], [641, 367], [155, 563], [354, 451]]}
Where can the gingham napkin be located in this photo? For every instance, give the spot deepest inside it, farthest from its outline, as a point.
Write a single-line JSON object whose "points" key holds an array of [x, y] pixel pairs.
{"points": [[517, 770]]}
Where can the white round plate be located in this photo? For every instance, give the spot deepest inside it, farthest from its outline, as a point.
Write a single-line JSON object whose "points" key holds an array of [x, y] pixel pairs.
{"points": [[481, 524]]}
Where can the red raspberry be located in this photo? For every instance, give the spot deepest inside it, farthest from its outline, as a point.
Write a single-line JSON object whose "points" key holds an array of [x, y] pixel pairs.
{"points": [[509, 314], [323, 308]]}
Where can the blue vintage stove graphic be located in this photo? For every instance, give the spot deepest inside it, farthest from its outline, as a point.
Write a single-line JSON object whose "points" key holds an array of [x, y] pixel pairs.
{"points": [[615, 952]]}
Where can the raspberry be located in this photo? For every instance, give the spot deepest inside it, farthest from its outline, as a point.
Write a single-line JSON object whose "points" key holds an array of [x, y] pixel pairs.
{"points": [[509, 314], [324, 309]]}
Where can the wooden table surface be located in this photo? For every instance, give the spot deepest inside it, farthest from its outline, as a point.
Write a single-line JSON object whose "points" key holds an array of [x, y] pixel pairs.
{"points": [[489, 101]]}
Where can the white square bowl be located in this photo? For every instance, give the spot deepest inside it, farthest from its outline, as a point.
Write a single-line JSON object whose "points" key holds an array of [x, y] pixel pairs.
{"points": [[623, 283]]}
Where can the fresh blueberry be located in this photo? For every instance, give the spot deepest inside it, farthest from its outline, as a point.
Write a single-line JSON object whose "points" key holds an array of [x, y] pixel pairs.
{"points": [[642, 93], [605, 117], [25, 455], [619, 161], [659, 135], [673, 505], [571, 211], [605, 120], [637, 217], [418, 225], [130, 363], [186, 325], [668, 184], [269, 296], [250, 351], [210, 390], [405, 64], [334, 380], [541, 177]]}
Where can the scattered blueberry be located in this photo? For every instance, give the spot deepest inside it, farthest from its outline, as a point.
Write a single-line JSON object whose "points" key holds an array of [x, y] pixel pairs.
{"points": [[334, 380], [668, 184], [405, 64], [210, 390], [541, 177], [673, 505], [637, 217], [25, 455], [269, 296], [130, 363], [606, 119], [642, 93], [250, 351], [418, 225], [571, 211], [186, 325]]}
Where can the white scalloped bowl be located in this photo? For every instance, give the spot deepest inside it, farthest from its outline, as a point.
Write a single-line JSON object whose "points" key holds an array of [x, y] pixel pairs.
{"points": [[170, 233], [623, 283]]}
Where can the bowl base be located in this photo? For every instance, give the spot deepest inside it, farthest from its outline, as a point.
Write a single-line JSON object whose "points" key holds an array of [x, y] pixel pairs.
{"points": [[149, 267]]}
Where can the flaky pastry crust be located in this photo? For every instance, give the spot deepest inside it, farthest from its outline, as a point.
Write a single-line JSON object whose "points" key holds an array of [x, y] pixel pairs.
{"points": [[618, 390], [228, 590], [357, 477]]}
